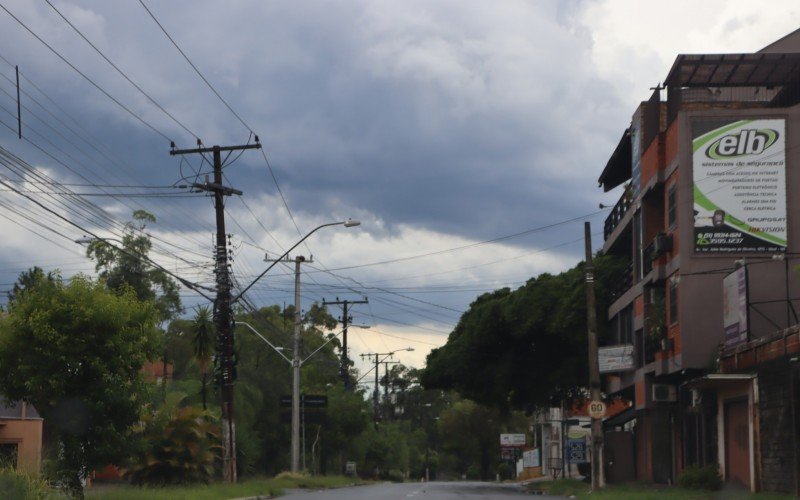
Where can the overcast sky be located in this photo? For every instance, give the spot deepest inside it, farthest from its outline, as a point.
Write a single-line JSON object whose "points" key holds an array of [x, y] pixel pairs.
{"points": [[463, 134]]}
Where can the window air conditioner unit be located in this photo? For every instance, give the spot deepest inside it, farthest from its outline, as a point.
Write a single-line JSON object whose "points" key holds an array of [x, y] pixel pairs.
{"points": [[664, 393], [662, 244]]}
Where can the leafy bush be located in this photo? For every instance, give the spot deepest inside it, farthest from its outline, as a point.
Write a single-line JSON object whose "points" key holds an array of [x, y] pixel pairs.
{"points": [[700, 478], [179, 445], [395, 475], [18, 485], [505, 470]]}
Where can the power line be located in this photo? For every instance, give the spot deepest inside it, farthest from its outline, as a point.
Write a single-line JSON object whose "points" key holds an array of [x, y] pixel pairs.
{"points": [[197, 70], [92, 82], [153, 101]]}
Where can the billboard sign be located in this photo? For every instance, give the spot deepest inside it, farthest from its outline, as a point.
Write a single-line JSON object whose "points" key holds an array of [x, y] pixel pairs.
{"points": [[734, 308], [739, 185], [618, 358], [512, 440]]}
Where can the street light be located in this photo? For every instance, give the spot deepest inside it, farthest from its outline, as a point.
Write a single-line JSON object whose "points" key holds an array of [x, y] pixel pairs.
{"points": [[295, 361], [346, 223]]}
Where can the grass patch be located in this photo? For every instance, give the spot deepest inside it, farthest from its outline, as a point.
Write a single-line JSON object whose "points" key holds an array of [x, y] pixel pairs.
{"points": [[643, 491], [252, 487]]}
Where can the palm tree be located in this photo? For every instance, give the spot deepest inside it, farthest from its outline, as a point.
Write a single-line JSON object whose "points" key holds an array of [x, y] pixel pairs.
{"points": [[203, 344]]}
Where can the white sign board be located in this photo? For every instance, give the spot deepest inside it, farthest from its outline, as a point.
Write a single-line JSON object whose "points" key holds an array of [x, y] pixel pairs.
{"points": [[739, 185], [512, 440], [530, 458], [618, 358]]}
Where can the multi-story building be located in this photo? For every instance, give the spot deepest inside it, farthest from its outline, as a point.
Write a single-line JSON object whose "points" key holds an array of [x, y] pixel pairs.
{"points": [[709, 219]]}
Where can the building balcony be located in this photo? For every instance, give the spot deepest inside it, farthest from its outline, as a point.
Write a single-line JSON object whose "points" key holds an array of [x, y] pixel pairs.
{"points": [[617, 213], [622, 282]]}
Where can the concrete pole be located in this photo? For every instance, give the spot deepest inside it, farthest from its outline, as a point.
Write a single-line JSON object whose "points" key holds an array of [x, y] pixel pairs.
{"points": [[296, 370]]}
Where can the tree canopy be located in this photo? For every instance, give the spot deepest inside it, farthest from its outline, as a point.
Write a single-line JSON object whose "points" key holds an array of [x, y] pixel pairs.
{"points": [[75, 351], [128, 265], [520, 349]]}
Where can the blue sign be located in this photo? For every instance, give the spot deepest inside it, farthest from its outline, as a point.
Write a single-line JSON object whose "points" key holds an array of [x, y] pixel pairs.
{"points": [[576, 451]]}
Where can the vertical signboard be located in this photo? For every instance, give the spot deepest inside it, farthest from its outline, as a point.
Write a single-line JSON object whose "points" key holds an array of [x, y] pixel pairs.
{"points": [[734, 309], [636, 154], [739, 184]]}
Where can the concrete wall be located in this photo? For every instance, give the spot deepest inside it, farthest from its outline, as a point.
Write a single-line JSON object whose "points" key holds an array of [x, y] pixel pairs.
{"points": [[27, 434]]}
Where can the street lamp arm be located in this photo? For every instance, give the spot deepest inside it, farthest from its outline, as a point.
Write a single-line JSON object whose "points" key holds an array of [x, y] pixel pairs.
{"points": [[347, 223], [319, 348], [265, 340]]}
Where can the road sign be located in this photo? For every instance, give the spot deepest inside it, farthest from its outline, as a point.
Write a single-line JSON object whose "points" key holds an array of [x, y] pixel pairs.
{"points": [[597, 409], [306, 401]]}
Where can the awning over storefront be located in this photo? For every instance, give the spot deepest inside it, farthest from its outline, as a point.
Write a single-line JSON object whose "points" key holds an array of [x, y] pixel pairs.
{"points": [[620, 418], [720, 380]]}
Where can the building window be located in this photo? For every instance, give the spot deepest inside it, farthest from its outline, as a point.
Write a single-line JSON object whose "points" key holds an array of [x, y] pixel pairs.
{"points": [[8, 455], [673, 301], [671, 206]]}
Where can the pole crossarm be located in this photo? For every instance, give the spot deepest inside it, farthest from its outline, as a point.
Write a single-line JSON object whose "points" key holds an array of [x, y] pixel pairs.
{"points": [[174, 152]]}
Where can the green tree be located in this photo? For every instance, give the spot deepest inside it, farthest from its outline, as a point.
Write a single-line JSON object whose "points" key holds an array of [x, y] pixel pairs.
{"points": [[75, 352], [29, 279], [129, 266], [520, 349], [203, 345], [471, 433]]}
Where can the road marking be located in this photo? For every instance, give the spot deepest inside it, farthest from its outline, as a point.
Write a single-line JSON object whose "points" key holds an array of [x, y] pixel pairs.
{"points": [[415, 493]]}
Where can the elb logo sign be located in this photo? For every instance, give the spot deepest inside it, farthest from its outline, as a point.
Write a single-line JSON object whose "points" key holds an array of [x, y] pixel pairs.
{"points": [[745, 142]]}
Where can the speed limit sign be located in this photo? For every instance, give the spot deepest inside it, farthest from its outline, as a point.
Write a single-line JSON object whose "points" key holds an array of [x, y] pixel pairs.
{"points": [[597, 409]]}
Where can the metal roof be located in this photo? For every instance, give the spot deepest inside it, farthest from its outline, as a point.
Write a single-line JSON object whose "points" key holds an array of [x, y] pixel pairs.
{"points": [[618, 168], [733, 70]]}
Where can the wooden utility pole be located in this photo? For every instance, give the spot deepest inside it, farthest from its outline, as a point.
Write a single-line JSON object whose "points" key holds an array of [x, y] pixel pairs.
{"points": [[223, 317], [598, 477], [344, 371]]}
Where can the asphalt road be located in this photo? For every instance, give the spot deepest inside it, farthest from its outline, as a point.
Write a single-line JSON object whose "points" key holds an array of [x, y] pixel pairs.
{"points": [[421, 491]]}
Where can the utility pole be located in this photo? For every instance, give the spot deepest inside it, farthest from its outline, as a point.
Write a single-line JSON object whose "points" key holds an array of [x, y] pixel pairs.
{"points": [[344, 371], [386, 364], [598, 476], [378, 361], [296, 367], [222, 303]]}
